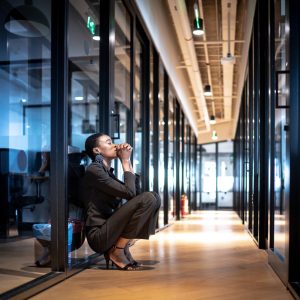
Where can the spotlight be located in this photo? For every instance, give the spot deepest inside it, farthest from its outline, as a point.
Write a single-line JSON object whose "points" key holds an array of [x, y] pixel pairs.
{"points": [[214, 135], [212, 120], [96, 36], [198, 22], [207, 91]]}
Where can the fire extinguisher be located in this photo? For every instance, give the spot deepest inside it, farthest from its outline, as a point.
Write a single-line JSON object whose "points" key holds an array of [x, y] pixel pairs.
{"points": [[182, 205]]}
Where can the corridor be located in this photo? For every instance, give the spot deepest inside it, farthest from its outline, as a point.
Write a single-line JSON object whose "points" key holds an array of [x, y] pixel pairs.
{"points": [[207, 255]]}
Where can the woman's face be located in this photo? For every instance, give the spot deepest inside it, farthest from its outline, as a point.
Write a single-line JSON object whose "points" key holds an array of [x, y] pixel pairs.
{"points": [[106, 147]]}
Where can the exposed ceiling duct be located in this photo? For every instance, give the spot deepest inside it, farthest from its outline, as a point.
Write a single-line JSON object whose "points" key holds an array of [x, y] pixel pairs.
{"points": [[228, 59], [184, 34], [217, 58]]}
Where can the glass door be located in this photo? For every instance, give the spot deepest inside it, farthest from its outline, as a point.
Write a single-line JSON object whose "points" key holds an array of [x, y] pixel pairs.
{"points": [[83, 116], [281, 168], [208, 176], [123, 76], [25, 135]]}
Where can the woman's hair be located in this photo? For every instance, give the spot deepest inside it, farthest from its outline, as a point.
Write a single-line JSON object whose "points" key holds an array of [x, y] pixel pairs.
{"points": [[92, 142]]}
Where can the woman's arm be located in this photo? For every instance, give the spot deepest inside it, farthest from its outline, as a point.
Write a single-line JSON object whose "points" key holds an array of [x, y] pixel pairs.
{"points": [[103, 182]]}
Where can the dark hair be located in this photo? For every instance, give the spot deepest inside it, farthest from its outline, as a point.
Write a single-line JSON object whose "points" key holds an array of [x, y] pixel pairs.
{"points": [[91, 143]]}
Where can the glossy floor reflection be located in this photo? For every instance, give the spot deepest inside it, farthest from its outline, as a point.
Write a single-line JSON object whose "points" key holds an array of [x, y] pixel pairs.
{"points": [[208, 255]]}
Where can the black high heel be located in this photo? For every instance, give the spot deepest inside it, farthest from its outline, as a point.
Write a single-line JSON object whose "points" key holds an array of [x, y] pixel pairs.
{"points": [[128, 267], [130, 258]]}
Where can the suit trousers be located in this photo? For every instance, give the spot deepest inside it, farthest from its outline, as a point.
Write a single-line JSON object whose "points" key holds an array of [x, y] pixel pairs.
{"points": [[134, 220]]}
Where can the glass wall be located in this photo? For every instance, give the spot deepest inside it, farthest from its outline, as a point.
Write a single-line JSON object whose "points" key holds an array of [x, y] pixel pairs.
{"points": [[27, 216], [122, 71], [151, 121], [137, 105], [281, 167], [25, 135], [83, 118], [161, 123], [171, 156]]}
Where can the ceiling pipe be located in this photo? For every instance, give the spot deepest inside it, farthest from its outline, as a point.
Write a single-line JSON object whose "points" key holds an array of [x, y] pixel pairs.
{"points": [[155, 15], [228, 30], [184, 34], [205, 46]]}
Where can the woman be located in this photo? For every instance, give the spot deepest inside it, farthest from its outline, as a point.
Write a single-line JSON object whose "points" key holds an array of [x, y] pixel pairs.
{"points": [[110, 228]]}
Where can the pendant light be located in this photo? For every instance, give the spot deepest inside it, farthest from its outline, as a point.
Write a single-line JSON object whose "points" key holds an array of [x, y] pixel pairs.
{"points": [[207, 91], [198, 22], [212, 120], [27, 21], [96, 36], [214, 135]]}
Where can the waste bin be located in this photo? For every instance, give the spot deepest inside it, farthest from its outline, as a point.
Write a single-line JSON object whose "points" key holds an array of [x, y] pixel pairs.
{"points": [[42, 243]]}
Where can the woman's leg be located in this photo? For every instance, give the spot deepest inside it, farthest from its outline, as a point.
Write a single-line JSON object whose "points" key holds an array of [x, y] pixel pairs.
{"points": [[134, 220]]}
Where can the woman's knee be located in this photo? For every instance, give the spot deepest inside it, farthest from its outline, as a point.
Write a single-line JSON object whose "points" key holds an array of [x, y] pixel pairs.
{"points": [[152, 197]]}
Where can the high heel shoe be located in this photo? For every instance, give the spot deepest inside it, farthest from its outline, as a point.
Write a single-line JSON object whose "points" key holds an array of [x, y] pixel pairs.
{"points": [[128, 267], [131, 259]]}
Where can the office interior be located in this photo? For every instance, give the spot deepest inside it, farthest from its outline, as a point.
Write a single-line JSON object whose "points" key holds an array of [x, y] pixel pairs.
{"points": [[213, 119]]}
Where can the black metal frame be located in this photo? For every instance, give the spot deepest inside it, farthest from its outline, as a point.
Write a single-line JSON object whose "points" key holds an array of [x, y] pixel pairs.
{"points": [[107, 73], [166, 147]]}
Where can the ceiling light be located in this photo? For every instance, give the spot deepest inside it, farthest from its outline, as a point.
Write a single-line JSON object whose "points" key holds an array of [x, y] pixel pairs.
{"points": [[27, 21], [212, 120], [198, 22], [96, 35], [78, 98], [229, 59], [214, 135], [207, 91]]}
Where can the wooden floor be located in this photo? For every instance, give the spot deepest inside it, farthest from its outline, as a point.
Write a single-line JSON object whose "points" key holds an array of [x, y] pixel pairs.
{"points": [[208, 255]]}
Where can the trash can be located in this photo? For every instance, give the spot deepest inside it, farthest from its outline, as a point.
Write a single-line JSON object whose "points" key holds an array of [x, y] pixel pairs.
{"points": [[42, 243]]}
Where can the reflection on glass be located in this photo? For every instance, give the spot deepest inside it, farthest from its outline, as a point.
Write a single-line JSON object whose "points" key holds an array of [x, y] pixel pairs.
{"points": [[171, 161], [137, 124], [151, 103], [186, 178], [281, 119], [25, 81], [122, 74], [208, 176], [83, 115], [225, 174], [161, 122]]}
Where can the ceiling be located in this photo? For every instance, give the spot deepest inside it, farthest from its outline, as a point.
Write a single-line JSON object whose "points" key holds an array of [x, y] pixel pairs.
{"points": [[193, 62]]}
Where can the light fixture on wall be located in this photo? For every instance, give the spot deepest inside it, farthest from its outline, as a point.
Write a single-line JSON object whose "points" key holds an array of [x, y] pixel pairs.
{"points": [[214, 135], [207, 91], [27, 21], [212, 119], [198, 22]]}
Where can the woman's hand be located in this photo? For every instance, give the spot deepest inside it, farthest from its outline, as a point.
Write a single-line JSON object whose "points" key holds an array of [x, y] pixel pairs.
{"points": [[124, 151]]}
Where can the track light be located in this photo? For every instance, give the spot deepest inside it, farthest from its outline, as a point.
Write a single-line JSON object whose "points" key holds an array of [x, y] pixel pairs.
{"points": [[198, 22], [27, 21], [207, 91], [212, 120]]}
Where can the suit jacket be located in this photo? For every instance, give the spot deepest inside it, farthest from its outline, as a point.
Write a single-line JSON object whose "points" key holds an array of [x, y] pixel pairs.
{"points": [[103, 192]]}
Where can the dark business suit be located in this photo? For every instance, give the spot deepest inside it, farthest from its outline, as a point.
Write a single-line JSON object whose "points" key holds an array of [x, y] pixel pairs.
{"points": [[106, 220]]}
